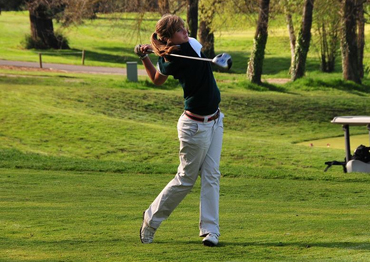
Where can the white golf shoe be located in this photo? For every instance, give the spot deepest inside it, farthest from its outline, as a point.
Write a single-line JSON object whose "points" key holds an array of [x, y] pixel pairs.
{"points": [[146, 232], [211, 240]]}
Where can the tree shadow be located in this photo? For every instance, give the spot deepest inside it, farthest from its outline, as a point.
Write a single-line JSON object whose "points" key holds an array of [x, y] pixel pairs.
{"points": [[276, 65], [96, 56], [111, 58], [334, 245], [275, 88], [309, 83], [337, 245]]}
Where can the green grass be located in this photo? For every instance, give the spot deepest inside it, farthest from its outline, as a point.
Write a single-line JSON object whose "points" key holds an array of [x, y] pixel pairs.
{"points": [[95, 216], [81, 156], [338, 142], [107, 42]]}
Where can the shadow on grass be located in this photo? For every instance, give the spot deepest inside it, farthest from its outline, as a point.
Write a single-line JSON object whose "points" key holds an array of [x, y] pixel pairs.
{"points": [[170, 84], [221, 244], [276, 65], [276, 88], [263, 87], [127, 54], [106, 57], [312, 84], [337, 245]]}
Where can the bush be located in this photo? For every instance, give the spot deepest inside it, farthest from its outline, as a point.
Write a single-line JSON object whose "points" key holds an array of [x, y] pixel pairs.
{"points": [[60, 42]]}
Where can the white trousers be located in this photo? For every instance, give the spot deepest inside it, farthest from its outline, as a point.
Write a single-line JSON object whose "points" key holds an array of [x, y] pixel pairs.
{"points": [[200, 152]]}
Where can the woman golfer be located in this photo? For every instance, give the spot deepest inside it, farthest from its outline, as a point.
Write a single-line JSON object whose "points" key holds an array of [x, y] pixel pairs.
{"points": [[200, 128]]}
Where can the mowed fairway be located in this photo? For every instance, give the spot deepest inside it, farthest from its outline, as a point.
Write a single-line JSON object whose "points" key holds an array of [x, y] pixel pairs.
{"points": [[82, 156], [95, 216], [338, 142], [81, 161]]}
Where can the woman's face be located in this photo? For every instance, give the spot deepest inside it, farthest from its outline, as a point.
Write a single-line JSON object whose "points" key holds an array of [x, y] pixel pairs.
{"points": [[181, 36]]}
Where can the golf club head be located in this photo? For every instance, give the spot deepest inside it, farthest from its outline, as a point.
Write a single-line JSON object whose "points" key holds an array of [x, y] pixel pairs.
{"points": [[223, 60]]}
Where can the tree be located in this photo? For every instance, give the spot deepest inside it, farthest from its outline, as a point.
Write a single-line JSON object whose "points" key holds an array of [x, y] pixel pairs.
{"points": [[303, 42], [41, 13], [350, 64], [254, 71], [327, 21], [207, 11], [289, 8], [360, 37], [292, 37], [164, 7], [192, 17]]}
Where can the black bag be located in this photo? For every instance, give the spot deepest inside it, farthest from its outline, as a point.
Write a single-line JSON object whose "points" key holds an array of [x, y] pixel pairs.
{"points": [[362, 153]]}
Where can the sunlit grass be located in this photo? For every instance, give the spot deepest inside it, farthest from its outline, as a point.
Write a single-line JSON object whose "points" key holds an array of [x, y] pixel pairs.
{"points": [[81, 156]]}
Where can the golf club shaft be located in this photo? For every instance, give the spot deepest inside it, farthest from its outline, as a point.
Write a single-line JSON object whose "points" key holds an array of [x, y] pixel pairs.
{"points": [[193, 57], [188, 57]]}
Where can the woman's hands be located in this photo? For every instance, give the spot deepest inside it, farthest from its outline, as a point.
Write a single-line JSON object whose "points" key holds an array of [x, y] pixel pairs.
{"points": [[143, 50]]}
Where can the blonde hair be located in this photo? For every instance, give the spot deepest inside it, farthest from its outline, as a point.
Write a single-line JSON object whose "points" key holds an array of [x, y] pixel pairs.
{"points": [[165, 28]]}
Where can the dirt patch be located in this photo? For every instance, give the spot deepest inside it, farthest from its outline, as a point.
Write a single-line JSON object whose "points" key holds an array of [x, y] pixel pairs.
{"points": [[277, 80]]}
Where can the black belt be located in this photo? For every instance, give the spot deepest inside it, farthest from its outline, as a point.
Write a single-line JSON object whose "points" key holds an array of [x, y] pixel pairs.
{"points": [[204, 119]]}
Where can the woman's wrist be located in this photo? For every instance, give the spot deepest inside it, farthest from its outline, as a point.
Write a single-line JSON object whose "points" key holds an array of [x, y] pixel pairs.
{"points": [[143, 57]]}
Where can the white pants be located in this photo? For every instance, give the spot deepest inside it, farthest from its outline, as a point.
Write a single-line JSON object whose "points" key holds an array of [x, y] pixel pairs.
{"points": [[200, 152]]}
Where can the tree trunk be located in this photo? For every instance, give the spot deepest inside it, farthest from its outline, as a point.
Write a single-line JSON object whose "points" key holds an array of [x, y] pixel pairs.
{"points": [[292, 38], [192, 17], [360, 38], [164, 7], [349, 42], [206, 37], [328, 26], [303, 43], [42, 29], [254, 71], [330, 48], [151, 5]]}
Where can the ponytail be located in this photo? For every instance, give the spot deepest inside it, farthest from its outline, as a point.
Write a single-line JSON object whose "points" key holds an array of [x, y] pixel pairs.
{"points": [[165, 28], [162, 48]]}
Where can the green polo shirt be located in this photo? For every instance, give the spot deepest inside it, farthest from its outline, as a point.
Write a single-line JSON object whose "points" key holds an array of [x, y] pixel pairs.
{"points": [[201, 93]]}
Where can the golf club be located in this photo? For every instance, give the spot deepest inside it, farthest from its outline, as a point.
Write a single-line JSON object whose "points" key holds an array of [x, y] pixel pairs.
{"points": [[222, 60]]}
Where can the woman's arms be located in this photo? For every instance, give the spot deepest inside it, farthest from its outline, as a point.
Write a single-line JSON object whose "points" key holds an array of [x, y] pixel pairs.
{"points": [[142, 51]]}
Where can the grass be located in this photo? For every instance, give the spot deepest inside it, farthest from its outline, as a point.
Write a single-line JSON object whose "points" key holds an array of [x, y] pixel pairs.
{"points": [[81, 156], [93, 216], [338, 142]]}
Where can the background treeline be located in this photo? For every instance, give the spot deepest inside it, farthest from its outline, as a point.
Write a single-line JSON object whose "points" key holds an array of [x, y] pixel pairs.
{"points": [[340, 25]]}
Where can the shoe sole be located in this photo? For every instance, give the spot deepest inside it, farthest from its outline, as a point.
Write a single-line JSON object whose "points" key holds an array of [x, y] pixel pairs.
{"points": [[209, 243]]}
